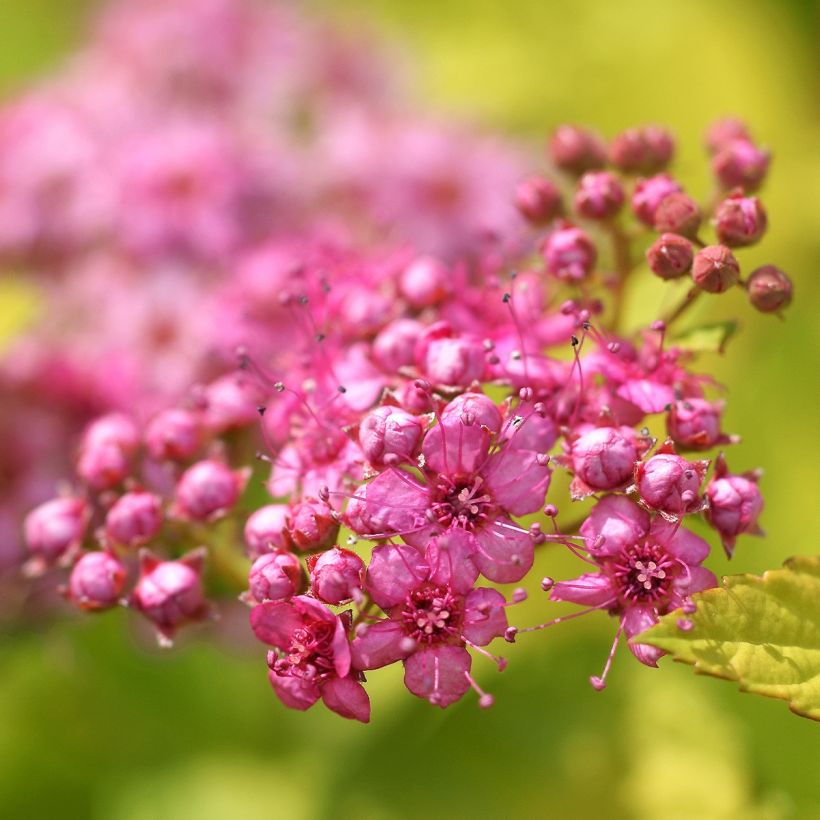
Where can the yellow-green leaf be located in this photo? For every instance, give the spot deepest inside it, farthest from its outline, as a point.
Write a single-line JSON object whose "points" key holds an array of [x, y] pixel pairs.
{"points": [[711, 338], [763, 632]]}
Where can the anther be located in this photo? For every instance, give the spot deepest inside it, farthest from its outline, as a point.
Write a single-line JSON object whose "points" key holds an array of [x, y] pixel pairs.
{"points": [[509, 634], [547, 583], [519, 594]]}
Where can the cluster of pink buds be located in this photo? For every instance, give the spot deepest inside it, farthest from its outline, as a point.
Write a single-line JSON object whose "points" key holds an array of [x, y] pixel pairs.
{"points": [[377, 374]]}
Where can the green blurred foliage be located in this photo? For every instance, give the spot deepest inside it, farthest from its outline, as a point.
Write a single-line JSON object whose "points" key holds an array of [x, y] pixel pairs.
{"points": [[94, 725]]}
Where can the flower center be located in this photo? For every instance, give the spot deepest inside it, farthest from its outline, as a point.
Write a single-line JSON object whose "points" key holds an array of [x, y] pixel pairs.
{"points": [[310, 654], [431, 614], [644, 573], [461, 502]]}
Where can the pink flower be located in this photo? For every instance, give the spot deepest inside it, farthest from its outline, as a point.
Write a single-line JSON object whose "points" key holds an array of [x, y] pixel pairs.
{"points": [[311, 658], [336, 576], [390, 435], [474, 479], [648, 195], [646, 569], [433, 612], [274, 576], [134, 518], [208, 490], [54, 532], [735, 502], [695, 424], [569, 254]]}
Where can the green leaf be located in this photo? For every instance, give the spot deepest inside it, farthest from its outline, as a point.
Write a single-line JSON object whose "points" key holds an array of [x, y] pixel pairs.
{"points": [[763, 632], [710, 338]]}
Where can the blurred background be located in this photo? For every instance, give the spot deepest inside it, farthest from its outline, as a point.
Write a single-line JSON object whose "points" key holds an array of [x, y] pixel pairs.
{"points": [[96, 724]]}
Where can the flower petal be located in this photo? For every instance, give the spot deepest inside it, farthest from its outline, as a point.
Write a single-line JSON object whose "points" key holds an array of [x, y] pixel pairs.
{"points": [[484, 616], [650, 396], [680, 542], [620, 521], [590, 589], [516, 480], [273, 622], [438, 674], [638, 619], [295, 693], [504, 554], [455, 448], [449, 557], [394, 571], [347, 698], [378, 645]]}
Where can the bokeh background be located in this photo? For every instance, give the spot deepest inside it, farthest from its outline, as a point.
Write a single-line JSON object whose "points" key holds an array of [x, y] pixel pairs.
{"points": [[94, 724]]}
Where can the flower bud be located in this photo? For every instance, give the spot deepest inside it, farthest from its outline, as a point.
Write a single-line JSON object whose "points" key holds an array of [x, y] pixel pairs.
{"points": [[478, 406], [169, 593], [390, 435], [395, 346], [97, 581], [207, 490], [576, 149], [336, 576], [648, 195], [312, 526], [723, 131], [266, 529], [275, 576], [769, 289], [55, 529], [173, 435], [695, 423], [715, 269], [538, 199], [735, 502], [741, 164], [605, 457], [424, 282], [230, 401], [569, 254], [102, 466], [642, 150], [678, 213], [134, 519], [670, 256], [739, 220], [669, 483], [113, 429], [599, 195], [448, 359]]}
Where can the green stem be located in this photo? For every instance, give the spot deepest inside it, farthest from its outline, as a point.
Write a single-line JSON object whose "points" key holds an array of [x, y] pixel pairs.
{"points": [[623, 267], [684, 305]]}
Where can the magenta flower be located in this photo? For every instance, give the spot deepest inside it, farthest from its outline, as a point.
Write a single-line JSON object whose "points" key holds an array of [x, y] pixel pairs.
{"points": [[433, 613], [646, 569], [476, 476], [311, 658], [669, 484]]}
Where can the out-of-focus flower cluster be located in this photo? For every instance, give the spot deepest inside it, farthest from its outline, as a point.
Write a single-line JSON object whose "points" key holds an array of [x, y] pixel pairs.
{"points": [[342, 355]]}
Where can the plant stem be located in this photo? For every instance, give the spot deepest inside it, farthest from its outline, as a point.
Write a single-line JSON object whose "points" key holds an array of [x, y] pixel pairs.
{"points": [[684, 305], [623, 267]]}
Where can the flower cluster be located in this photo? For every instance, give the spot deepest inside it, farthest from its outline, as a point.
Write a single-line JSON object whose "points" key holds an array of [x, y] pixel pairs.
{"points": [[383, 413]]}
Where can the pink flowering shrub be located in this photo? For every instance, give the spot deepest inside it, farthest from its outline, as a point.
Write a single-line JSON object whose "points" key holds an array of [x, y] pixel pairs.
{"points": [[364, 349]]}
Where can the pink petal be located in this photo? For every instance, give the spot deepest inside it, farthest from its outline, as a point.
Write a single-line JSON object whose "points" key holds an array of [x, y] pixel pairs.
{"points": [[638, 619], [438, 674], [393, 573], [590, 589], [681, 543], [622, 523], [484, 616], [295, 693], [537, 434], [347, 698], [378, 645], [650, 396], [504, 554], [516, 480], [449, 557], [700, 578], [395, 502], [341, 649], [274, 622], [455, 448]]}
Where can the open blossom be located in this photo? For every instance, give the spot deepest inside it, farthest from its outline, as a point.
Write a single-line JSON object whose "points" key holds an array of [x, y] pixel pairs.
{"points": [[647, 567], [433, 611], [311, 657], [476, 477]]}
